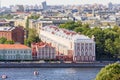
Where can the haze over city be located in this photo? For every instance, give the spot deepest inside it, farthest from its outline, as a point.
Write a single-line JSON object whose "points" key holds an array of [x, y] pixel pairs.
{"points": [[56, 2]]}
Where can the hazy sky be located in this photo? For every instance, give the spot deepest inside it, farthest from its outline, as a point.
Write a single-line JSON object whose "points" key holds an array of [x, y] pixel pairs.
{"points": [[56, 2]]}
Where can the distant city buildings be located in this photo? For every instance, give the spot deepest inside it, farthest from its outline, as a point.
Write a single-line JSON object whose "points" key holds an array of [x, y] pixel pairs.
{"points": [[17, 8], [47, 20]]}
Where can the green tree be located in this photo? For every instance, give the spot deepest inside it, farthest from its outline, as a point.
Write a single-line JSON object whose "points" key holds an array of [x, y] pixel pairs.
{"points": [[79, 29], [117, 47], [71, 25], [32, 37], [3, 40], [27, 23], [9, 42], [110, 72], [110, 34], [115, 28], [109, 46], [34, 16], [100, 40]]}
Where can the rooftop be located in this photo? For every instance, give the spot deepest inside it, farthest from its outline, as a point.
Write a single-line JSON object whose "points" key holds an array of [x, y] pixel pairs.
{"points": [[13, 46], [42, 44], [64, 33], [6, 28]]}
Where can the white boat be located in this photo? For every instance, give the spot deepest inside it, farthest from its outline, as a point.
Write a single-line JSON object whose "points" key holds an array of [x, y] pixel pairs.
{"points": [[36, 73], [3, 76]]}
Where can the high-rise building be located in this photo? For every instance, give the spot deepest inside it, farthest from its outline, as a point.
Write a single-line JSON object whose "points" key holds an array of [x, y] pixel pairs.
{"points": [[110, 6], [44, 5]]}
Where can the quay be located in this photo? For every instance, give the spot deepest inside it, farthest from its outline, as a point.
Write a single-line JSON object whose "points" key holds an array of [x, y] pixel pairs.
{"points": [[53, 65]]}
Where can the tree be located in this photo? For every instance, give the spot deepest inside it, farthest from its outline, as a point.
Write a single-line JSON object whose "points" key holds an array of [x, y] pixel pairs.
{"points": [[110, 34], [35, 16], [109, 46], [99, 39], [32, 37], [117, 47], [9, 42], [78, 29], [27, 23], [3, 40], [110, 72], [71, 25], [68, 25]]}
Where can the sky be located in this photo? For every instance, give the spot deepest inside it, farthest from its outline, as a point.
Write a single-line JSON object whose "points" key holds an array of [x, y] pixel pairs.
{"points": [[56, 2]]}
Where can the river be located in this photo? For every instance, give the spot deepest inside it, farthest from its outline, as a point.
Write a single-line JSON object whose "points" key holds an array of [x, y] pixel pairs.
{"points": [[50, 73]]}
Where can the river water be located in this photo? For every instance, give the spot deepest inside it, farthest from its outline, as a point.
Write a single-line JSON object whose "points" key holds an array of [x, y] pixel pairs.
{"points": [[50, 73]]}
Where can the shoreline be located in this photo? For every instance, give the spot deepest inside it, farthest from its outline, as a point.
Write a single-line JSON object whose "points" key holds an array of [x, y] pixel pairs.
{"points": [[53, 65]]}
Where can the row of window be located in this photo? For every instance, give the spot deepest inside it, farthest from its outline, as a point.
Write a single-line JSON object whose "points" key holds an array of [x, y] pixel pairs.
{"points": [[4, 34], [15, 57], [15, 51]]}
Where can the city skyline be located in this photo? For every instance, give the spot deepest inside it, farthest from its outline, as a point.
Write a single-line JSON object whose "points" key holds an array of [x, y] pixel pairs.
{"points": [[56, 2]]}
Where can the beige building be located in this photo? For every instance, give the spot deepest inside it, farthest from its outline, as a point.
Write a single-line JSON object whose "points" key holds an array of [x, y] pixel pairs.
{"points": [[20, 22]]}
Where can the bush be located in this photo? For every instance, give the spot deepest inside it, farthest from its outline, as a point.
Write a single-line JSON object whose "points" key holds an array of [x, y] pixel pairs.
{"points": [[110, 72]]}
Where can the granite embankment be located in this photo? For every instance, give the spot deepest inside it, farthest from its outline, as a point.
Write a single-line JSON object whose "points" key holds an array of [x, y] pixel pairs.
{"points": [[52, 65]]}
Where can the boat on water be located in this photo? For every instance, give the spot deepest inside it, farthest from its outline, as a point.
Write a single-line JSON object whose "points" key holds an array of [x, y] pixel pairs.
{"points": [[4, 76], [36, 73]]}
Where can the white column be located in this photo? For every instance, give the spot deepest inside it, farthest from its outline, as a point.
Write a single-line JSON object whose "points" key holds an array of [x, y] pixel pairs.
{"points": [[80, 48], [84, 51]]}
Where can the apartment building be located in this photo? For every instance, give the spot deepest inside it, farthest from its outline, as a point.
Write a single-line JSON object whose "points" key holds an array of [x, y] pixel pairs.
{"points": [[15, 52]]}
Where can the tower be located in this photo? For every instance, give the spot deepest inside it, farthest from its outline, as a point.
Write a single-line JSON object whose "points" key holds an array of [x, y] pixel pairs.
{"points": [[44, 5], [110, 6]]}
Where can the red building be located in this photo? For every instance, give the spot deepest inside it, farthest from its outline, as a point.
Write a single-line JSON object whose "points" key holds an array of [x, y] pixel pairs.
{"points": [[13, 33]]}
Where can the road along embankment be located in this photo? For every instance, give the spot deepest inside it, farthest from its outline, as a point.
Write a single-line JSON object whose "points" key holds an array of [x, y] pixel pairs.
{"points": [[52, 65]]}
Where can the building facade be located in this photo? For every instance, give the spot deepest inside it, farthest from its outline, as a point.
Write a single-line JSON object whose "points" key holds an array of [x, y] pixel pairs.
{"points": [[15, 52], [12, 33], [43, 51], [69, 45]]}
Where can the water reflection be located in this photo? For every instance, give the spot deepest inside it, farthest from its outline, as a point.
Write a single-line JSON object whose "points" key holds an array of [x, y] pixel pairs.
{"points": [[50, 73]]}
